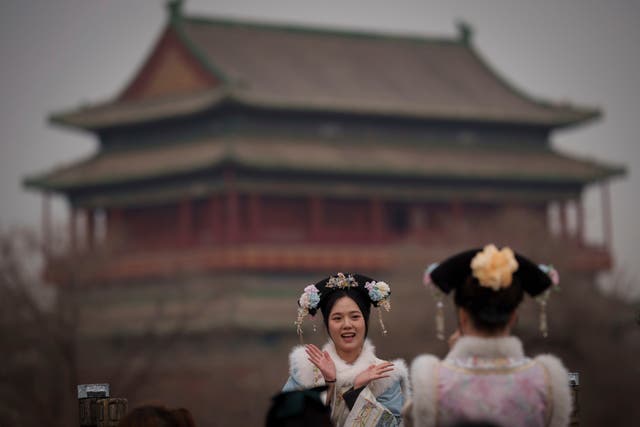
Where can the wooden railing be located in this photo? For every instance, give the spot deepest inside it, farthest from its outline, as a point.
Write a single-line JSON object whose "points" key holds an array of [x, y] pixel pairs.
{"points": [[135, 265]]}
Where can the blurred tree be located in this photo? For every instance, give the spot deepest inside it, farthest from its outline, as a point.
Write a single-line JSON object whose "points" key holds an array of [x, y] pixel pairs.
{"points": [[41, 361], [37, 343]]}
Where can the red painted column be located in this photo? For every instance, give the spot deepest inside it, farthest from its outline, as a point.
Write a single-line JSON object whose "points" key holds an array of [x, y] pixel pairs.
{"points": [[185, 222], [553, 218], [255, 216], [232, 206], [316, 223], [115, 224], [377, 220], [416, 220], [73, 236], [90, 229], [564, 227], [215, 218], [457, 211], [579, 221]]}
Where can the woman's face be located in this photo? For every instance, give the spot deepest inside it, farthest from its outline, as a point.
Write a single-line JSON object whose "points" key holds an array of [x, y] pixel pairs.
{"points": [[346, 325]]}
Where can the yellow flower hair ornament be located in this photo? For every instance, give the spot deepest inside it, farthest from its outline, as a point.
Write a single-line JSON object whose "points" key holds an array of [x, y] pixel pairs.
{"points": [[494, 268]]}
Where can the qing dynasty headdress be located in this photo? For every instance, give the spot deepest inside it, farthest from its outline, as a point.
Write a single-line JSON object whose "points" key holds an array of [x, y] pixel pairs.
{"points": [[365, 291], [490, 268]]}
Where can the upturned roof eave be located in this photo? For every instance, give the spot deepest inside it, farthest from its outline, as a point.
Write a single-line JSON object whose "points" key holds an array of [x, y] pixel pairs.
{"points": [[73, 118], [609, 172], [573, 114], [562, 118], [88, 118], [46, 181], [101, 116]]}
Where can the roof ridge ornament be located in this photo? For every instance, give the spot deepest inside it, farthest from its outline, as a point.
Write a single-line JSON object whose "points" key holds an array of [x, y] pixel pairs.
{"points": [[174, 8], [465, 32]]}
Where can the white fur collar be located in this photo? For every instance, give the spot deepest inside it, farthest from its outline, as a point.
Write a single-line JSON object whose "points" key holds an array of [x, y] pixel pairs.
{"points": [[305, 373], [465, 347], [424, 379]]}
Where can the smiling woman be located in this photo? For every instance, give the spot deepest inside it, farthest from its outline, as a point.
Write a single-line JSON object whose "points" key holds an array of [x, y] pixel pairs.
{"points": [[362, 387], [346, 327]]}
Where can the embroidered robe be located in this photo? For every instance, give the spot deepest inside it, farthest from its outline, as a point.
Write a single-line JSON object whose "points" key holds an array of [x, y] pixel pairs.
{"points": [[378, 404], [489, 379]]}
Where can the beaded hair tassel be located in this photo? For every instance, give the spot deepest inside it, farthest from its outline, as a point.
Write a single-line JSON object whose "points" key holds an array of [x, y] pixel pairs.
{"points": [[439, 296], [543, 298], [302, 312], [307, 305], [542, 301]]}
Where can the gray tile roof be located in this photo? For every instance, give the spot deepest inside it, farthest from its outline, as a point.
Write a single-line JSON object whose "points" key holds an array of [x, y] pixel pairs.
{"points": [[279, 67], [426, 161]]}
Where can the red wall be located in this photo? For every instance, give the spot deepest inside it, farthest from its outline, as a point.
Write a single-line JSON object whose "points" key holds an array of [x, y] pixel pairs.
{"points": [[276, 219], [284, 219], [150, 227]]}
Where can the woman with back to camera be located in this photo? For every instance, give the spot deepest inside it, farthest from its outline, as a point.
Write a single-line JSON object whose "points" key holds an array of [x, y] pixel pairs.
{"points": [[363, 389], [486, 376]]}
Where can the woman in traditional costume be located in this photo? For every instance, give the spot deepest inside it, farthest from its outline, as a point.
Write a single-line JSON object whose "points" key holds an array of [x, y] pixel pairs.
{"points": [[486, 375], [362, 390]]}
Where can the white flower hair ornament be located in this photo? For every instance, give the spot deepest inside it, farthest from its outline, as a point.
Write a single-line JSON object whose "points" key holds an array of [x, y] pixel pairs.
{"points": [[307, 305], [380, 296], [379, 293], [550, 271], [426, 277]]}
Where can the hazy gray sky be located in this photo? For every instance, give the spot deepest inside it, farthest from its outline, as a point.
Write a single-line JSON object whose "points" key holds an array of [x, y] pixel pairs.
{"points": [[59, 54]]}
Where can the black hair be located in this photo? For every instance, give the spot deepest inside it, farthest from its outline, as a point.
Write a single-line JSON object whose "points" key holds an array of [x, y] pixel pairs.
{"points": [[298, 408], [364, 304], [490, 310]]}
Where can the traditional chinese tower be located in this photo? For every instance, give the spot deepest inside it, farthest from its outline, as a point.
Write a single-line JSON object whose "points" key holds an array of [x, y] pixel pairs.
{"points": [[252, 147]]}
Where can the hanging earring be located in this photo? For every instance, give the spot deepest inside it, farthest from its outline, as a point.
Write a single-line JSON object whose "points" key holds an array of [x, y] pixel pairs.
{"points": [[542, 301], [301, 313], [439, 297], [384, 330]]}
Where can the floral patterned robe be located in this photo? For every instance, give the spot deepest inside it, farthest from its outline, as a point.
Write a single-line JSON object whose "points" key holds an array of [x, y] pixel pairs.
{"points": [[378, 404], [489, 379]]}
